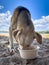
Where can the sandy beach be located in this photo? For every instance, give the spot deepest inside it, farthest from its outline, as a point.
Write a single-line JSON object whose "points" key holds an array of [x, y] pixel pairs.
{"points": [[15, 59], [4, 34], [7, 59]]}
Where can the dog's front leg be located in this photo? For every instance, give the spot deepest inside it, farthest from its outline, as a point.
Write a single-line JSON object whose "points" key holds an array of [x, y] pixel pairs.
{"points": [[11, 42]]}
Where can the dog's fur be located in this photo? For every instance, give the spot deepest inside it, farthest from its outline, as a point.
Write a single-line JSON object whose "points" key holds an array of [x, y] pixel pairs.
{"points": [[23, 28]]}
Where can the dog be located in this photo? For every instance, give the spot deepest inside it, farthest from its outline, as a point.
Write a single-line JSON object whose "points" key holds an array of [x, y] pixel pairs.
{"points": [[22, 27]]}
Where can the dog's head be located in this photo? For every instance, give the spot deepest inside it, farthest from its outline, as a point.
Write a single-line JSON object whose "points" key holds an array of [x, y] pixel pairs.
{"points": [[35, 35]]}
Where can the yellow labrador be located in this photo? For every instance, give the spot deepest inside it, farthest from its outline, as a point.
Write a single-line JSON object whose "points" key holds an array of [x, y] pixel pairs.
{"points": [[22, 27]]}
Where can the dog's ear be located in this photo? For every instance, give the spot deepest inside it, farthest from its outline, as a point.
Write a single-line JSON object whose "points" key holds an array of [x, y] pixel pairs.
{"points": [[16, 34], [38, 38]]}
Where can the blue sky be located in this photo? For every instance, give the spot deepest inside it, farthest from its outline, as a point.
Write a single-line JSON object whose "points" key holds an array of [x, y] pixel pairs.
{"points": [[39, 10]]}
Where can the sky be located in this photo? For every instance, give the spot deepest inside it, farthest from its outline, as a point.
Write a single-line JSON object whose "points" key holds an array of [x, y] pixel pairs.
{"points": [[39, 10]]}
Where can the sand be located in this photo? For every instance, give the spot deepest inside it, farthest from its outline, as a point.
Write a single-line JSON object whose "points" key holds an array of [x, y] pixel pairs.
{"points": [[7, 59]]}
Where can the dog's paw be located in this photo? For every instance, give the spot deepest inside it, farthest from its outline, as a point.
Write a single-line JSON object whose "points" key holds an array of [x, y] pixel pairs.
{"points": [[12, 52]]}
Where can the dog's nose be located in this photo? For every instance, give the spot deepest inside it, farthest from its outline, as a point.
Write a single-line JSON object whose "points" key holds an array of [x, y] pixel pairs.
{"points": [[28, 45]]}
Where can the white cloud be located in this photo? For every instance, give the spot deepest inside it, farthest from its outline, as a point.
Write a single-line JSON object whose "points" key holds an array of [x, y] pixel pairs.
{"points": [[1, 7], [42, 24], [5, 20]]}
